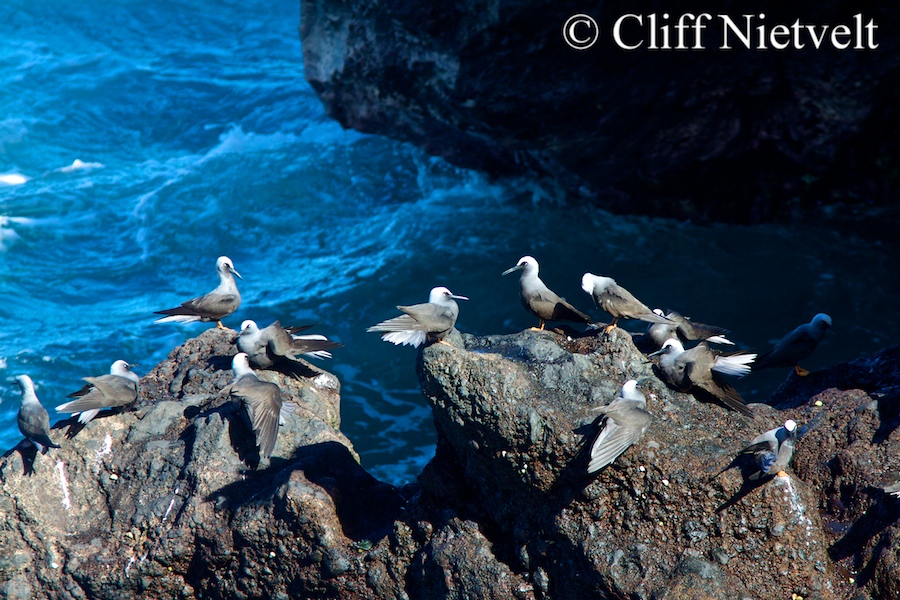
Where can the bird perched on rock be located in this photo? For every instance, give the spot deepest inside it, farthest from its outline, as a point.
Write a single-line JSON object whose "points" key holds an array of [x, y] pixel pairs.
{"points": [[892, 489], [266, 347], [772, 451], [685, 330], [795, 346], [540, 300], [34, 422], [433, 319], [263, 401], [617, 301], [118, 388], [215, 305], [687, 370], [625, 422]]}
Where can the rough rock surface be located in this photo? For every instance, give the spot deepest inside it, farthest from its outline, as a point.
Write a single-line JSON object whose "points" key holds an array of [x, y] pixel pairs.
{"points": [[729, 135], [168, 500]]}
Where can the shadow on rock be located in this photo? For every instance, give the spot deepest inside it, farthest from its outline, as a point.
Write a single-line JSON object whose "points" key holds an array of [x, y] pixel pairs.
{"points": [[366, 507], [880, 517]]}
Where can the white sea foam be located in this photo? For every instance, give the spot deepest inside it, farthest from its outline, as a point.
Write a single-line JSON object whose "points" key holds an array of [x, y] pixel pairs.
{"points": [[13, 179], [78, 165]]}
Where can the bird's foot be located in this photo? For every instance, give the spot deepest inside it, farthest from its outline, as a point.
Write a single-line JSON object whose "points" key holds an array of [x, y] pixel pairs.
{"points": [[800, 371], [219, 325], [535, 329], [782, 474], [445, 343]]}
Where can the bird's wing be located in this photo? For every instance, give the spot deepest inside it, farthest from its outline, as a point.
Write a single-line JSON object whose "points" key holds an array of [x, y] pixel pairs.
{"points": [[563, 311], [692, 331], [214, 304], [263, 401], [721, 390], [34, 424], [117, 390], [613, 440]]}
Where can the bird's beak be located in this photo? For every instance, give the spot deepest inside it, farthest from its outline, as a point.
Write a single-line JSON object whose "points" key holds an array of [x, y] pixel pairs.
{"points": [[512, 270], [236, 273], [455, 297], [133, 365], [657, 353]]}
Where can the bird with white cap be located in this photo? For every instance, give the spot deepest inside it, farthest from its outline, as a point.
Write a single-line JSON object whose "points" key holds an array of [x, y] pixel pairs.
{"points": [[215, 305], [433, 319]]}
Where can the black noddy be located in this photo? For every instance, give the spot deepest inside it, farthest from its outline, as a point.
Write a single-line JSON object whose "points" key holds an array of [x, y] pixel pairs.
{"points": [[118, 388], [270, 345], [540, 300], [773, 450], [433, 319], [699, 367], [685, 330], [214, 306], [617, 301], [626, 421], [34, 422], [795, 346], [263, 401]]}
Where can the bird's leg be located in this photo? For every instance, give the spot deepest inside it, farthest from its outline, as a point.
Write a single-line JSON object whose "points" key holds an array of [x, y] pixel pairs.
{"points": [[543, 322], [611, 326], [800, 371], [219, 325], [541, 328], [445, 343]]}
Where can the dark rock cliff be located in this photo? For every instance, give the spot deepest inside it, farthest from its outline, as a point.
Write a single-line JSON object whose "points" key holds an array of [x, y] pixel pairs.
{"points": [[168, 500], [741, 135]]}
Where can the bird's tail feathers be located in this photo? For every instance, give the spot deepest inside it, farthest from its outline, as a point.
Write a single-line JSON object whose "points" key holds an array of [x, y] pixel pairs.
{"points": [[735, 364]]}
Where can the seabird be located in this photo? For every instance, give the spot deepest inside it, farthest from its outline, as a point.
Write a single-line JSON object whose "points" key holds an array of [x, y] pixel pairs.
{"points": [[264, 402], [773, 450], [433, 319], [699, 367], [34, 422], [892, 489], [214, 306], [795, 346], [625, 423], [119, 388], [617, 301], [265, 347], [685, 329], [540, 300]]}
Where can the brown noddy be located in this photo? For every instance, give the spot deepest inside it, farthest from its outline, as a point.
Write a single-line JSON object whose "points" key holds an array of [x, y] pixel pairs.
{"points": [[33, 420], [773, 450], [270, 345], [264, 402], [685, 330], [699, 367], [434, 319], [540, 300], [118, 388], [795, 346], [617, 301], [626, 421], [215, 305]]}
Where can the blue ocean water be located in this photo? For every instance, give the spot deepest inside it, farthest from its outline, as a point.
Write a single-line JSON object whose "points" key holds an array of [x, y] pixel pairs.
{"points": [[138, 142]]}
